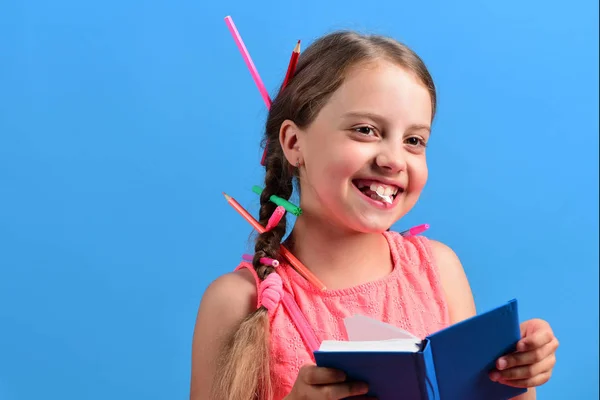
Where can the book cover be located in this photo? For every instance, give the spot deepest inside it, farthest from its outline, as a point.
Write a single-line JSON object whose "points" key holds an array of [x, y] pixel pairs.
{"points": [[450, 364]]}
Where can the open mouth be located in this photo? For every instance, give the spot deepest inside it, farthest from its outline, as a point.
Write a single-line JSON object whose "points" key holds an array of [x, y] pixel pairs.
{"points": [[378, 191]]}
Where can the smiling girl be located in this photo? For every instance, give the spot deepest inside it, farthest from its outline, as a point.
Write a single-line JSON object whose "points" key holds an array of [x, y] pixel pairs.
{"points": [[351, 130]]}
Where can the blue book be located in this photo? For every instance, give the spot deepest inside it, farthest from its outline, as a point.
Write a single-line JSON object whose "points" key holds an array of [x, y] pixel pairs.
{"points": [[452, 364]]}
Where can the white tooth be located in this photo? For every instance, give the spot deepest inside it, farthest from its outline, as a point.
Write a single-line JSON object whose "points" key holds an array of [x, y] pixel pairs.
{"points": [[380, 190], [373, 187], [387, 199], [388, 191]]}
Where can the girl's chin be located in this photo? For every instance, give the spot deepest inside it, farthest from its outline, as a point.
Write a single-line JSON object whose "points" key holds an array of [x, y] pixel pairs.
{"points": [[376, 225]]}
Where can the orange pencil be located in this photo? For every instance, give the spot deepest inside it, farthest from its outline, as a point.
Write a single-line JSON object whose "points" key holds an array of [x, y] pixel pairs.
{"points": [[297, 264], [242, 211], [289, 74]]}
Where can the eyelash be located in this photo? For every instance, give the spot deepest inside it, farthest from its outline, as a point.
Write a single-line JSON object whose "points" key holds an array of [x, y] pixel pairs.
{"points": [[420, 141], [363, 127]]}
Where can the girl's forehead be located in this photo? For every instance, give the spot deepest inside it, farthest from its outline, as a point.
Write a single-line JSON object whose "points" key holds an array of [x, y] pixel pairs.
{"points": [[381, 88]]}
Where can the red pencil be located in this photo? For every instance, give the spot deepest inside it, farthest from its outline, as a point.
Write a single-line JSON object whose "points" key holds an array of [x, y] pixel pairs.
{"points": [[292, 66], [297, 264], [289, 74]]}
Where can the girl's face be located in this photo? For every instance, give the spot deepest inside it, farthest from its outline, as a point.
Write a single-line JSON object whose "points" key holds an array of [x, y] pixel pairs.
{"points": [[371, 135]]}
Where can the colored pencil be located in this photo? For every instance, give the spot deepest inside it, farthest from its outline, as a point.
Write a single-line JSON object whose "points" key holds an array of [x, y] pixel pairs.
{"points": [[295, 263], [289, 74], [274, 219], [264, 260], [242, 211], [248, 60], [290, 207], [415, 230], [292, 65]]}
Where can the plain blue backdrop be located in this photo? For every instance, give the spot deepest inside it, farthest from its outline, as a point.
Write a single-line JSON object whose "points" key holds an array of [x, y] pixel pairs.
{"points": [[122, 121]]}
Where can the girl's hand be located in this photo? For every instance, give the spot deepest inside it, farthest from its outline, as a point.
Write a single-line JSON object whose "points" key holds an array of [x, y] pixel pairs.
{"points": [[531, 365], [317, 383]]}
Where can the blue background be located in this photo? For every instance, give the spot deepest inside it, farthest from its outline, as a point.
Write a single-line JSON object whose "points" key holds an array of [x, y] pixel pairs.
{"points": [[122, 121]]}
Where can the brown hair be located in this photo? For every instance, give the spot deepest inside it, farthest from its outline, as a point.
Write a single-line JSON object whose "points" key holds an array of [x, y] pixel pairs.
{"points": [[244, 372]]}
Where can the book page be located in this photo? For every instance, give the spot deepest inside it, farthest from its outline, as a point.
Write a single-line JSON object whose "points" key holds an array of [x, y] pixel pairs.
{"points": [[395, 345], [361, 328]]}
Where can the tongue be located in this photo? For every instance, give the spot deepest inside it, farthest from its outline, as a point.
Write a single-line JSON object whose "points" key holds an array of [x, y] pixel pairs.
{"points": [[368, 191]]}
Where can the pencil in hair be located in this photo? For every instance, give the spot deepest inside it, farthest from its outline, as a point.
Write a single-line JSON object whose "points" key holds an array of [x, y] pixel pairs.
{"points": [[248, 60], [292, 65], [294, 262], [289, 74]]}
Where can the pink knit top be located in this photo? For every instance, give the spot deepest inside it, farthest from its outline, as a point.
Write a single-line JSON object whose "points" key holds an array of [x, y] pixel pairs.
{"points": [[410, 297]]}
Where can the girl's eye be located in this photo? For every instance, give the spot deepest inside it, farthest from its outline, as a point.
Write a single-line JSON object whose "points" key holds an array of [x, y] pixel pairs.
{"points": [[416, 141], [365, 130]]}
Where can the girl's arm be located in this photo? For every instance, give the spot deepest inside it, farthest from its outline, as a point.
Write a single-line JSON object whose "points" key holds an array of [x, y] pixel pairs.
{"points": [[459, 297], [225, 303]]}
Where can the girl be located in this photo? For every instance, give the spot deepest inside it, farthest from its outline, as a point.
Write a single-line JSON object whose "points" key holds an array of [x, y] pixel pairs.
{"points": [[354, 120]]}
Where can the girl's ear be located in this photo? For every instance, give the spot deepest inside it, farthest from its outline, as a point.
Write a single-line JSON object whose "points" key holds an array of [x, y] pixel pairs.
{"points": [[291, 138]]}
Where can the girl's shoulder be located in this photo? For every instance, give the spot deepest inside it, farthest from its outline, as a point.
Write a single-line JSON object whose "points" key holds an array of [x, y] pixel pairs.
{"points": [[454, 282], [422, 249], [226, 302], [233, 291]]}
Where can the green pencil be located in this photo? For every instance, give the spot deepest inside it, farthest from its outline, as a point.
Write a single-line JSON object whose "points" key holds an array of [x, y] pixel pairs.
{"points": [[289, 207]]}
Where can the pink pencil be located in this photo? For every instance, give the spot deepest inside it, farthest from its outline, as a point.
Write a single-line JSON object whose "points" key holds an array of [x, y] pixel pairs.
{"points": [[248, 60], [264, 260], [415, 230]]}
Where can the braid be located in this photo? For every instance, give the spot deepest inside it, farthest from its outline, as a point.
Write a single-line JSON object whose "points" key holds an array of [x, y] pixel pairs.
{"points": [[278, 181], [244, 372]]}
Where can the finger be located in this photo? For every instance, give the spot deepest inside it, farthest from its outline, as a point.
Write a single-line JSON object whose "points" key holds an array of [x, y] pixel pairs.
{"points": [[313, 375], [525, 371], [535, 340], [342, 390], [535, 381], [525, 358]]}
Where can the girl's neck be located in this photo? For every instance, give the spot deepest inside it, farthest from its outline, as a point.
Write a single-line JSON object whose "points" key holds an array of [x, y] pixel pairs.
{"points": [[340, 259]]}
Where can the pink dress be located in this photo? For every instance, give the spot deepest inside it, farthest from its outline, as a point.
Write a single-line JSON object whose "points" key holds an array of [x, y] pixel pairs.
{"points": [[410, 297]]}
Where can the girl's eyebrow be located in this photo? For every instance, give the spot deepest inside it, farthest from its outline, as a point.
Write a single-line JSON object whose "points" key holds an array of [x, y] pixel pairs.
{"points": [[365, 114], [419, 127], [381, 120]]}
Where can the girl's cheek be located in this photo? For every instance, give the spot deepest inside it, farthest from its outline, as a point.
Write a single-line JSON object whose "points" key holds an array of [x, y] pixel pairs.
{"points": [[418, 178]]}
